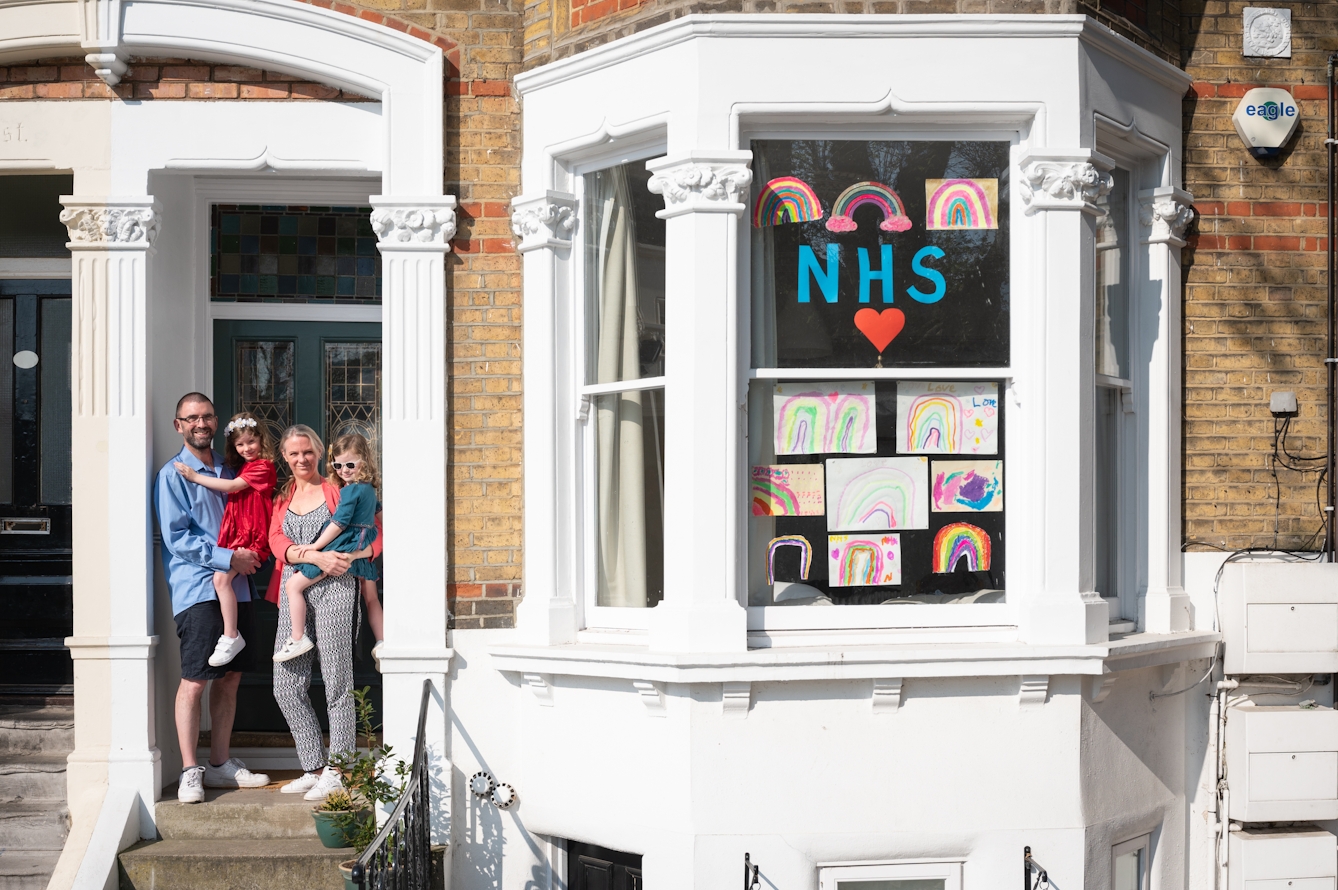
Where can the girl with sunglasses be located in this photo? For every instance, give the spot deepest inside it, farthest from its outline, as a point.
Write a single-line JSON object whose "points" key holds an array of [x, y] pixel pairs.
{"points": [[351, 529]]}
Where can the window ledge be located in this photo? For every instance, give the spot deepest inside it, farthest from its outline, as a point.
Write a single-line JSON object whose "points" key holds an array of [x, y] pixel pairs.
{"points": [[987, 659]]}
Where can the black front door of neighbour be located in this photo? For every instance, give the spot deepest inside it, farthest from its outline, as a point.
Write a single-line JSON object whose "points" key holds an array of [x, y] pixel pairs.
{"points": [[36, 590], [597, 868]]}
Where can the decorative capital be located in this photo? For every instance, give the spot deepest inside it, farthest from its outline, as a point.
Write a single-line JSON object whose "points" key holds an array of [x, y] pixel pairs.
{"points": [[546, 220], [110, 222], [1166, 212], [702, 183], [1064, 182], [414, 223]]}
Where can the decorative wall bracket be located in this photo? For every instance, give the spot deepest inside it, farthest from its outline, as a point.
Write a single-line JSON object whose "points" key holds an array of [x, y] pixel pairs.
{"points": [[541, 687], [1033, 691], [402, 223], [699, 182], [111, 222], [887, 696], [652, 696], [1065, 181], [735, 699], [1098, 688], [546, 220], [100, 36], [1166, 212]]}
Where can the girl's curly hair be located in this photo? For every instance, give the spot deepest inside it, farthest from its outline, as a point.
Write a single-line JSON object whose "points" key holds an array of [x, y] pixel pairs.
{"points": [[354, 443], [236, 427]]}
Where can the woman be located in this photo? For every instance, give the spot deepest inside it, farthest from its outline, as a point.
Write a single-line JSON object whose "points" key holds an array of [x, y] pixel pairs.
{"points": [[303, 507]]}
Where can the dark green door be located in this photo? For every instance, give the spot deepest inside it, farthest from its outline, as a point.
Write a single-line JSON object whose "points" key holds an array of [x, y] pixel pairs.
{"points": [[36, 595], [326, 375]]}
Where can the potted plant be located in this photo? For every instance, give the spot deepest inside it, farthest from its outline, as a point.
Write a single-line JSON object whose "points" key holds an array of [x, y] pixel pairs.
{"points": [[338, 817], [372, 778]]}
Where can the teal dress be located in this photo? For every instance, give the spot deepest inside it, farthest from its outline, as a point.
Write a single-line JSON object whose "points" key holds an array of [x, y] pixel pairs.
{"points": [[356, 515]]}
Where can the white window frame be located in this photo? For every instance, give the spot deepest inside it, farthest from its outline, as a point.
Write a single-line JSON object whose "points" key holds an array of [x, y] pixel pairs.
{"points": [[947, 870], [994, 622], [591, 616], [1143, 843]]}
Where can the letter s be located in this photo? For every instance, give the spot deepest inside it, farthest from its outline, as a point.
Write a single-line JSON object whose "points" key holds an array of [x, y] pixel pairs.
{"points": [[933, 276]]}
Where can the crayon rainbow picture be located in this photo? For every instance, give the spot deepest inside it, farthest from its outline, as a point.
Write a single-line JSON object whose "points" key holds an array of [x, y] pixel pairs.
{"points": [[787, 490], [825, 418], [873, 194], [786, 199], [967, 486], [958, 542], [863, 560], [877, 493], [947, 417], [805, 554], [961, 203]]}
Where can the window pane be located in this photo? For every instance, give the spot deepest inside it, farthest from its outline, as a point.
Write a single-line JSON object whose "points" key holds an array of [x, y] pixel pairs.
{"points": [[873, 253], [265, 384], [629, 498], [894, 884], [7, 401], [1108, 410], [56, 407], [30, 223], [278, 254], [624, 274], [1112, 281], [353, 391], [1129, 871]]}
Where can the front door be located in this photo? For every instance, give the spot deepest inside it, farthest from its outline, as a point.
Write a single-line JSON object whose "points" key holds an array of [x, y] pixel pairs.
{"points": [[326, 375], [36, 593]]}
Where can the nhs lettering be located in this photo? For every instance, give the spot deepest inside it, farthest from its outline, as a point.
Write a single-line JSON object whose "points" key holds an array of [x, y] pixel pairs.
{"points": [[826, 276]]}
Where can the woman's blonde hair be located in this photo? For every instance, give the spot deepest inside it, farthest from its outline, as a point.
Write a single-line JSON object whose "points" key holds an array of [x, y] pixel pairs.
{"points": [[298, 431], [355, 443], [245, 422]]}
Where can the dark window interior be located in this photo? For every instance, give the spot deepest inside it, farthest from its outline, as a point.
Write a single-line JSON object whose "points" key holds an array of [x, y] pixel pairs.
{"points": [[30, 223], [1136, 11]]}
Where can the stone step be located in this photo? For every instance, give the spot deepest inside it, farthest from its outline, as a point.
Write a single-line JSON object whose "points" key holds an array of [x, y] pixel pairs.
{"points": [[26, 870], [34, 826], [32, 777], [259, 813], [26, 730], [233, 864]]}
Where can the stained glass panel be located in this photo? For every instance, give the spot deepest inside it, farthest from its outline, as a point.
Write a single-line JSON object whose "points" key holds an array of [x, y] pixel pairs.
{"points": [[353, 391], [265, 383]]}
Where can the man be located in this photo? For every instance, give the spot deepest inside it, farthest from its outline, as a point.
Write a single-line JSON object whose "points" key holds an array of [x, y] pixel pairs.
{"points": [[189, 516]]}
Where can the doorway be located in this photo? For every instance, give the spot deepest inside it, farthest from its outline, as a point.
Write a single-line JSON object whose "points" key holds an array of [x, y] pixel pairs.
{"points": [[36, 584], [326, 375], [597, 868]]}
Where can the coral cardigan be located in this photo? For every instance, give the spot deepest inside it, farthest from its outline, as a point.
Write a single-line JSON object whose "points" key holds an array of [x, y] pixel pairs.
{"points": [[279, 542]]}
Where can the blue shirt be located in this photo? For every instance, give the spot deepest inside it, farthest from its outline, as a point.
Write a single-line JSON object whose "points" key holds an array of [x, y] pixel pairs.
{"points": [[189, 517]]}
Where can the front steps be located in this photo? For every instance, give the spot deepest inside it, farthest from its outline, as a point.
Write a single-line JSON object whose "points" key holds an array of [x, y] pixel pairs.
{"points": [[35, 738], [256, 839]]}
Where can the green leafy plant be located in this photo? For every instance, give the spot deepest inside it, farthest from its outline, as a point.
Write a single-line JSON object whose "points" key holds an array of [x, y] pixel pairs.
{"points": [[337, 802], [372, 777]]}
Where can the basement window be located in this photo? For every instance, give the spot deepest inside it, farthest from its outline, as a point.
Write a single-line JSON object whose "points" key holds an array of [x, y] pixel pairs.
{"points": [[904, 875]]}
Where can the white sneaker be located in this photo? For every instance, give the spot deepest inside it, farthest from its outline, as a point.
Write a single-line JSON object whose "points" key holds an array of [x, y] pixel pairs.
{"points": [[376, 654], [226, 650], [302, 784], [191, 787], [329, 781], [233, 774], [293, 648]]}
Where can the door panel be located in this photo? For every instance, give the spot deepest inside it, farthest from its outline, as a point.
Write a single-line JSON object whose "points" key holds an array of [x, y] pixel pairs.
{"points": [[597, 868], [36, 593], [326, 375]]}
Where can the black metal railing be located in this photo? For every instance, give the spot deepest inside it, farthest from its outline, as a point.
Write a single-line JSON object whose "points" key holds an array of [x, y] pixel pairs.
{"points": [[400, 858]]}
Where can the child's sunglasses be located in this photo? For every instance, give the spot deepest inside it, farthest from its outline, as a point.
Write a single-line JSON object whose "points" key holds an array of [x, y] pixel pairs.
{"points": [[352, 465]]}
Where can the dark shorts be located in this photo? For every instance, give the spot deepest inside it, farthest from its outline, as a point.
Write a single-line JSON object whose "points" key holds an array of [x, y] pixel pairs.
{"points": [[199, 628]]}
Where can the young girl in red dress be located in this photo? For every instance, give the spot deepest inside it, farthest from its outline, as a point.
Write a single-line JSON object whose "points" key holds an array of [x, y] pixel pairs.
{"points": [[249, 453]]}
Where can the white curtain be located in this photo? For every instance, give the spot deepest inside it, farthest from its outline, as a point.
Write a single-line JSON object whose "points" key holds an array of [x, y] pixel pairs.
{"points": [[620, 447]]}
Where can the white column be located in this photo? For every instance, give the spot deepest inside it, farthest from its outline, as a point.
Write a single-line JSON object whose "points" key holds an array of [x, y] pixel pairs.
{"points": [[1164, 213], [704, 198], [543, 227], [413, 236], [111, 240], [1060, 190]]}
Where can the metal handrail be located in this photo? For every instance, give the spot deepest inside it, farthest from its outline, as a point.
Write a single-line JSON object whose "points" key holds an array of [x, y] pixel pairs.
{"points": [[400, 857]]}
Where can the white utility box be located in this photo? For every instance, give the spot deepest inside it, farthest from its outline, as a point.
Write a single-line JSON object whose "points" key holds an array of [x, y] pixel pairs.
{"points": [[1303, 858], [1282, 763], [1279, 617]]}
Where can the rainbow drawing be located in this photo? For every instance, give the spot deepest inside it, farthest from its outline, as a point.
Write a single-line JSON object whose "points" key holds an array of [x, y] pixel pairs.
{"points": [[786, 199], [959, 417], [958, 541], [863, 560], [962, 203], [967, 486], [877, 493], [787, 490], [805, 552], [876, 194], [825, 418]]}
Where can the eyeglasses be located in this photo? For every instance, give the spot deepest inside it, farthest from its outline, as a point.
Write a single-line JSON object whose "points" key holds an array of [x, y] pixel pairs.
{"points": [[198, 418], [352, 465]]}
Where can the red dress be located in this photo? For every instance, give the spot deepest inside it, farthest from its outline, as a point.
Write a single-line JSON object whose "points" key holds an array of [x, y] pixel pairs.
{"points": [[245, 523]]}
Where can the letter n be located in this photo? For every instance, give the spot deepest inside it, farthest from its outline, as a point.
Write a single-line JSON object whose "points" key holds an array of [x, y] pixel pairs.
{"points": [[826, 278]]}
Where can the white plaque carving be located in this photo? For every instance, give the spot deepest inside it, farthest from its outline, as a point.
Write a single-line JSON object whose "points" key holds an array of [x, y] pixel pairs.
{"points": [[1268, 33]]}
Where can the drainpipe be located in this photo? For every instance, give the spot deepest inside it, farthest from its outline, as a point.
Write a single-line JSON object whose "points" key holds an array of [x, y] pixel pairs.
{"points": [[1330, 360], [1223, 790]]}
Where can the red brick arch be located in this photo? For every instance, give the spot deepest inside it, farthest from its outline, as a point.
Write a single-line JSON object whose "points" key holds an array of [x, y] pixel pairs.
{"points": [[447, 46]]}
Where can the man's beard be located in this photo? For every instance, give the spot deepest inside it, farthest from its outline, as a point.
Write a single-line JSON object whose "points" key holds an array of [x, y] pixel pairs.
{"points": [[199, 439]]}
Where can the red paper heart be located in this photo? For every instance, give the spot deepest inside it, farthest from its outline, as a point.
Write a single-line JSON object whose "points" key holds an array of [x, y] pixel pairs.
{"points": [[881, 328]]}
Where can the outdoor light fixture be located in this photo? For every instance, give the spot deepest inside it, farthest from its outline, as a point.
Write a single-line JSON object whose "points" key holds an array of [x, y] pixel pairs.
{"points": [[503, 796], [1283, 404], [481, 784]]}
